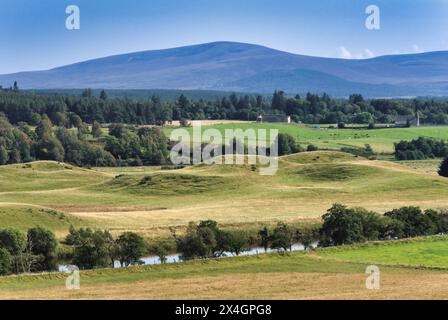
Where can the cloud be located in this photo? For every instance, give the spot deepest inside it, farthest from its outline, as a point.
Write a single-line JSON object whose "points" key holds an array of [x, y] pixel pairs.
{"points": [[344, 53], [368, 54]]}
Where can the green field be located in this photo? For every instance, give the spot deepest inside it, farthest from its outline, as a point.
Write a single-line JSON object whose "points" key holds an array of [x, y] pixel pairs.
{"points": [[321, 274], [382, 140], [426, 252]]}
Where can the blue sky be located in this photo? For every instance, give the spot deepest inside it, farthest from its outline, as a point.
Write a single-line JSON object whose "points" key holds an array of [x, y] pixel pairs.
{"points": [[33, 34]]}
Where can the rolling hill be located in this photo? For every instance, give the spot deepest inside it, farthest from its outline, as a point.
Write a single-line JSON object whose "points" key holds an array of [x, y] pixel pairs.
{"points": [[240, 67], [151, 200]]}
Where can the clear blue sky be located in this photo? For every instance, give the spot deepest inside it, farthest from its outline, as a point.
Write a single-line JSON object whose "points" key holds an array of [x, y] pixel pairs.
{"points": [[33, 34]]}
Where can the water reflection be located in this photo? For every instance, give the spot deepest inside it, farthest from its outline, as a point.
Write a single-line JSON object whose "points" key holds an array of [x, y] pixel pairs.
{"points": [[176, 258]]}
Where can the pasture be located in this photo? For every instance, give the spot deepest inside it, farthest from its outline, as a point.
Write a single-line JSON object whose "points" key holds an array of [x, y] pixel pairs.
{"points": [[430, 252], [382, 140]]}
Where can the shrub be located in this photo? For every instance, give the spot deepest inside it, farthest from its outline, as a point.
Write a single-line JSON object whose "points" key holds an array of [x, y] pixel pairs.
{"points": [[443, 171], [199, 241], [130, 248], [366, 152], [264, 238], [43, 244], [6, 262], [160, 249], [311, 148], [237, 241], [414, 221], [344, 225], [287, 145], [282, 237], [13, 241], [92, 249], [439, 219]]}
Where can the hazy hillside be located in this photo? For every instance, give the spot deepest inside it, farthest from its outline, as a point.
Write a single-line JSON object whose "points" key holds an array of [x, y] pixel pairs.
{"points": [[230, 66]]}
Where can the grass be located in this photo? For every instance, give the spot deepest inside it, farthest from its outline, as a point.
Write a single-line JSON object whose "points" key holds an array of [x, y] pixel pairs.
{"points": [[22, 218], [44, 176], [430, 166], [429, 252], [321, 274], [151, 200], [382, 140], [163, 184]]}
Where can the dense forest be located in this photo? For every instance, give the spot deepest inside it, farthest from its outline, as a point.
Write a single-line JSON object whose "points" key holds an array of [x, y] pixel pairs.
{"points": [[70, 128], [82, 145], [20, 106]]}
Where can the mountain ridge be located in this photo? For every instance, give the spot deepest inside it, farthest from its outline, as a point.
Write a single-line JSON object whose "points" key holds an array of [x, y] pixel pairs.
{"points": [[242, 67]]}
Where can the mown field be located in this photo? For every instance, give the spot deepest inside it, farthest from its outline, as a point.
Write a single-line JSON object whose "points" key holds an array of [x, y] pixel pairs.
{"points": [[320, 274], [151, 200], [381, 140]]}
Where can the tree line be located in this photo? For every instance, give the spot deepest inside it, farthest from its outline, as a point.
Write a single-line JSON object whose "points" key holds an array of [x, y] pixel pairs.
{"points": [[23, 106], [420, 149], [343, 225], [340, 226], [81, 145], [77, 144], [36, 250], [207, 240], [424, 148]]}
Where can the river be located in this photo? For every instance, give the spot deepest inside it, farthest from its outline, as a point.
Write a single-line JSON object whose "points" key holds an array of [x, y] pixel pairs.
{"points": [[176, 258]]}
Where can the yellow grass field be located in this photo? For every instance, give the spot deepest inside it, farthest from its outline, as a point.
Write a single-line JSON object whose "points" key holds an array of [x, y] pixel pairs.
{"points": [[300, 286], [150, 200], [318, 275]]}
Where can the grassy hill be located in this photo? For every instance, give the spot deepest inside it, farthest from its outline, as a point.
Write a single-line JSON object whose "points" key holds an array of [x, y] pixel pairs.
{"points": [[44, 176], [321, 274], [151, 200], [23, 218]]}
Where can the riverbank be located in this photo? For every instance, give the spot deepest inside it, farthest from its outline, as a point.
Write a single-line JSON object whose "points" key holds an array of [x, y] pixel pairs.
{"points": [[317, 274]]}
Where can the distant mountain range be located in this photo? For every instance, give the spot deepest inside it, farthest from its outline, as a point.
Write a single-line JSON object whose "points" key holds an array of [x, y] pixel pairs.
{"points": [[241, 67]]}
